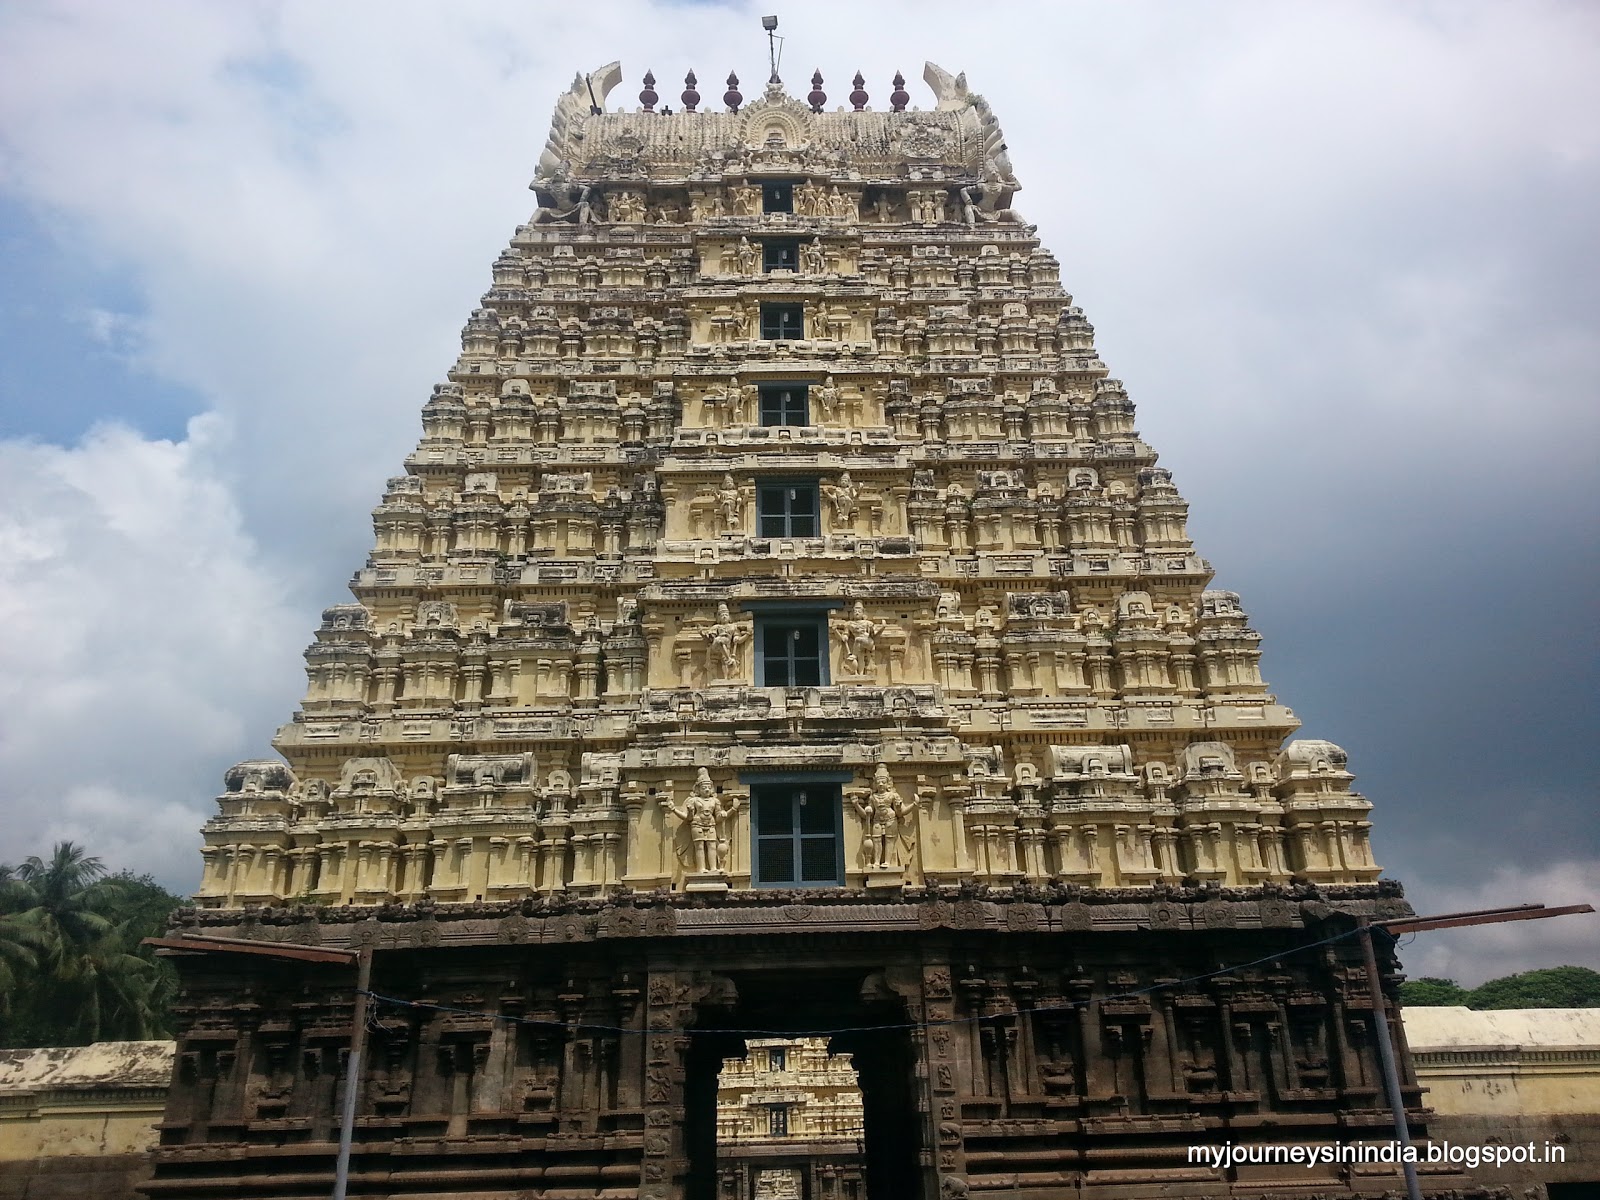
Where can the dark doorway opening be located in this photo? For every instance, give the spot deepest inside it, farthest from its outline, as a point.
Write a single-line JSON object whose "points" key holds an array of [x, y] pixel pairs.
{"points": [[776, 1002]]}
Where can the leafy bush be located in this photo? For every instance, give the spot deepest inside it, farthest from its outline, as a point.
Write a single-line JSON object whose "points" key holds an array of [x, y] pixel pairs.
{"points": [[1430, 992], [1550, 987]]}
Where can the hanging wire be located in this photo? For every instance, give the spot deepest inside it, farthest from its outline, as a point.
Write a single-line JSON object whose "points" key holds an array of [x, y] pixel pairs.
{"points": [[1072, 1006]]}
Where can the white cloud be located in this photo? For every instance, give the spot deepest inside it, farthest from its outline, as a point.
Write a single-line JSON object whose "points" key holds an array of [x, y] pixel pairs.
{"points": [[1344, 256], [145, 644]]}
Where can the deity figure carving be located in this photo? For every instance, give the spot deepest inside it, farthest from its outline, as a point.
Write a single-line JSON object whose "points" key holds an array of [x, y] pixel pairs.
{"points": [[886, 816], [986, 201], [828, 399], [840, 205], [746, 200], [564, 199], [748, 258], [708, 208], [730, 505], [809, 200], [813, 258], [724, 640], [704, 812], [883, 208], [858, 637], [845, 496], [972, 196], [626, 208], [745, 401]]}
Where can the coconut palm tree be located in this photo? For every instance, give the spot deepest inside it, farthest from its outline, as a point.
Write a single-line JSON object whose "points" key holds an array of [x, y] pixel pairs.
{"points": [[19, 942], [65, 906], [86, 984]]}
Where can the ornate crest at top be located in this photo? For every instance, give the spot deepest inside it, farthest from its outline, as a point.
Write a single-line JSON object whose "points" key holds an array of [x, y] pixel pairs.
{"points": [[958, 140]]}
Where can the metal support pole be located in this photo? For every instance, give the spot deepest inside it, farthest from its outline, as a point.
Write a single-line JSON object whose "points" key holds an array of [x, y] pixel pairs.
{"points": [[352, 1072], [1391, 1075]]}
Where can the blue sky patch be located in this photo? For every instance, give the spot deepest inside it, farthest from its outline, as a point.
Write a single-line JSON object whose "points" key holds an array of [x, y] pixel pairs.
{"points": [[70, 338]]}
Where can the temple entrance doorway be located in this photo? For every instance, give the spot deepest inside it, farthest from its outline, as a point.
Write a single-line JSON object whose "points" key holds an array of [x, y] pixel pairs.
{"points": [[789, 1123], [803, 1090]]}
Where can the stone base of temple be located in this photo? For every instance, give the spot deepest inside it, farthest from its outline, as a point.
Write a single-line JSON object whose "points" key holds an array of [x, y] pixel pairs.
{"points": [[1018, 1043]]}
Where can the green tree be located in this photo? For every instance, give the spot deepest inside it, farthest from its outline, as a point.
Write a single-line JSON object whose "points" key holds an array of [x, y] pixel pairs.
{"points": [[73, 971], [20, 943], [145, 907], [1430, 991], [1551, 987]]}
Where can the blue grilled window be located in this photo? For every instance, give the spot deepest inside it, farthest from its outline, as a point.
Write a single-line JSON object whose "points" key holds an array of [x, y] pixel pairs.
{"points": [[797, 835], [790, 651], [780, 254], [777, 195], [785, 403], [786, 510], [783, 322]]}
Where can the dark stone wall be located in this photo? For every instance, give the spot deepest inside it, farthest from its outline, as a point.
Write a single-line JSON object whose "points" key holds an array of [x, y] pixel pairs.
{"points": [[1035, 1046]]}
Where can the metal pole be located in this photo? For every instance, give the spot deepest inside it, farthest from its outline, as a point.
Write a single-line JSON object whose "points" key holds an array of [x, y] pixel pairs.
{"points": [[352, 1072], [1391, 1076]]}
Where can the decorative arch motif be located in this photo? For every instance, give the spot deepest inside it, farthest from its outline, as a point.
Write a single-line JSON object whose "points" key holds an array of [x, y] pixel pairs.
{"points": [[788, 119]]}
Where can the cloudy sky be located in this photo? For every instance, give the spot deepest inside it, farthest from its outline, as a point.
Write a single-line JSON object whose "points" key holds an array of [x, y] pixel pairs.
{"points": [[1343, 254]]}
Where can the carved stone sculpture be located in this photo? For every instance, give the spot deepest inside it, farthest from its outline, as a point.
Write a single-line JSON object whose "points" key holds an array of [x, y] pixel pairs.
{"points": [[844, 495], [730, 505], [813, 258], [705, 813], [858, 638], [828, 399], [564, 200], [746, 200], [885, 816], [724, 638], [748, 258]]}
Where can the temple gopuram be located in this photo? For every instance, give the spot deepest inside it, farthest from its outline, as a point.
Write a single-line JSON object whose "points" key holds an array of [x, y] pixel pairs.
{"points": [[789, 1123], [781, 631]]}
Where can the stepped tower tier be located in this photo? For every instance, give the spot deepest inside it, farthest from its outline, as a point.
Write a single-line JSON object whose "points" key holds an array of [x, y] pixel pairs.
{"points": [[777, 447], [781, 627]]}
